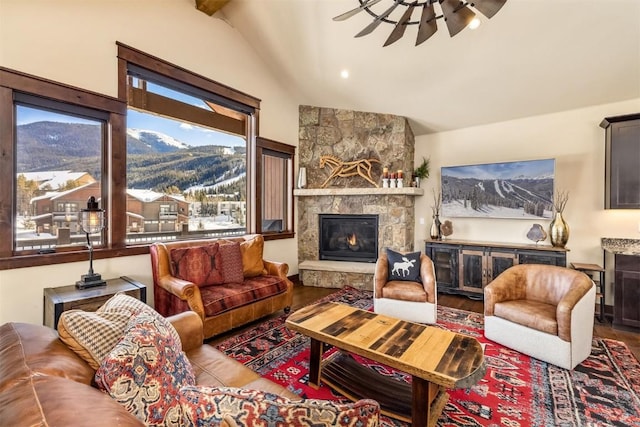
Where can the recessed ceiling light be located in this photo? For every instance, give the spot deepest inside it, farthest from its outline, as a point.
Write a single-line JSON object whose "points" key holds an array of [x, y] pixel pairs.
{"points": [[344, 74], [475, 23]]}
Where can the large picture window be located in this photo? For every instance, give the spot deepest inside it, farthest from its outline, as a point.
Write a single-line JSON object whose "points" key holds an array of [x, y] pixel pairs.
{"points": [[175, 156], [58, 167], [188, 145]]}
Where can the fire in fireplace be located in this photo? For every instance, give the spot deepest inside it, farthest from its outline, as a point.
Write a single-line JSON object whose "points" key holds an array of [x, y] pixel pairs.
{"points": [[348, 237]]}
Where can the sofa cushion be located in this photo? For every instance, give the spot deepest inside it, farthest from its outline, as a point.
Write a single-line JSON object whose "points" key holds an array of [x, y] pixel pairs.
{"points": [[403, 266], [219, 299], [92, 335], [532, 314], [252, 250], [232, 270], [145, 371], [201, 265], [244, 408]]}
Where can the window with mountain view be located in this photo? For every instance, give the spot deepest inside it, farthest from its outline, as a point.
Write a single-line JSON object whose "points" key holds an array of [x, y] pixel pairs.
{"points": [[186, 162], [59, 166], [174, 156]]}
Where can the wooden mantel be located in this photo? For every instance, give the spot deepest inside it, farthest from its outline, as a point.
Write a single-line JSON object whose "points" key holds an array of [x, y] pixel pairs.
{"points": [[408, 191]]}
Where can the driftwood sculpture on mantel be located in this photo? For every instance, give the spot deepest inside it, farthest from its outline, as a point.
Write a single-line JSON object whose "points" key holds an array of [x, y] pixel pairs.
{"points": [[345, 169]]}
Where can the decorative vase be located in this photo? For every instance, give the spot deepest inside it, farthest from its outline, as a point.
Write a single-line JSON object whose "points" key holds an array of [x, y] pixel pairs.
{"points": [[435, 232], [416, 179], [559, 231], [302, 177]]}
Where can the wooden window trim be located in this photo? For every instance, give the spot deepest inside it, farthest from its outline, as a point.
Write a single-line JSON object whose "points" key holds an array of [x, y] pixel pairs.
{"points": [[13, 82], [263, 144]]}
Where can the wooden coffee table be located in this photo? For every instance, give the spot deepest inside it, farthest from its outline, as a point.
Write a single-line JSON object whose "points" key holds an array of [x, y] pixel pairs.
{"points": [[436, 359]]}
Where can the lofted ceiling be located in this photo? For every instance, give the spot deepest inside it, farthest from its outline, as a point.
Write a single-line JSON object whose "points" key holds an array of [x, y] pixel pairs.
{"points": [[533, 57]]}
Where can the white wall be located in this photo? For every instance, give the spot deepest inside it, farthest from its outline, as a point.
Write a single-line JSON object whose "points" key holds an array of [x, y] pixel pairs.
{"points": [[576, 141], [74, 42]]}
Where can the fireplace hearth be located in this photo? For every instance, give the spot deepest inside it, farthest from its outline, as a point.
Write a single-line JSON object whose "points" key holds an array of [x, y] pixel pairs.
{"points": [[346, 237]]}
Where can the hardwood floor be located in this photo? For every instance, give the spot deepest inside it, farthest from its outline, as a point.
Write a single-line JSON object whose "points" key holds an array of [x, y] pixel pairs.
{"points": [[304, 295]]}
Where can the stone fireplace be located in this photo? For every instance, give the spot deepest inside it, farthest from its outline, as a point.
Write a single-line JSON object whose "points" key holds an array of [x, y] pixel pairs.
{"points": [[352, 135]]}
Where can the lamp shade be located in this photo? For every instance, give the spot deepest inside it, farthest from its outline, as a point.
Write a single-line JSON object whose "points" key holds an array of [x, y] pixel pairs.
{"points": [[92, 218]]}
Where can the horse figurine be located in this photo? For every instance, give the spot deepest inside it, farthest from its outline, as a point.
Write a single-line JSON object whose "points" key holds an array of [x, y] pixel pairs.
{"points": [[345, 169]]}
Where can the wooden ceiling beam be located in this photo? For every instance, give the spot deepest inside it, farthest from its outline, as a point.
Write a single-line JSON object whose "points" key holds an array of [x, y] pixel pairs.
{"points": [[210, 6]]}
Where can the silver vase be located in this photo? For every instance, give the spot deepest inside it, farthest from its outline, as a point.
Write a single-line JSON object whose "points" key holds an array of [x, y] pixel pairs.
{"points": [[302, 177], [559, 231]]}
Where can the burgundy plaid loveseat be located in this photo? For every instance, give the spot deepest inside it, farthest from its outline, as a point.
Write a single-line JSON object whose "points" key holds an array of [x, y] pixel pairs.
{"points": [[226, 281]]}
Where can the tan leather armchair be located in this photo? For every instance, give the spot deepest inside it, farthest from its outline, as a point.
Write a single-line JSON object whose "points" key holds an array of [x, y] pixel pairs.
{"points": [[407, 300], [543, 311]]}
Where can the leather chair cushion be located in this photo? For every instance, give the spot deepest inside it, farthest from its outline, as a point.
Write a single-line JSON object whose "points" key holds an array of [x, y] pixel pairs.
{"points": [[145, 371], [533, 314], [405, 291], [244, 407]]}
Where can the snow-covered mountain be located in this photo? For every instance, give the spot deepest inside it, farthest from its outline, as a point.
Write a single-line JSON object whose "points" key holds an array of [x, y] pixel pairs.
{"points": [[155, 141]]}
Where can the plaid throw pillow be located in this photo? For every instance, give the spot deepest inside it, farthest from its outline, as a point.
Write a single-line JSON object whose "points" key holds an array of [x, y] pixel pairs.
{"points": [[208, 406], [93, 335]]}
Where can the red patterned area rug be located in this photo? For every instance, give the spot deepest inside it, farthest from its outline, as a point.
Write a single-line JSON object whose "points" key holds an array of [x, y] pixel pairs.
{"points": [[517, 390]]}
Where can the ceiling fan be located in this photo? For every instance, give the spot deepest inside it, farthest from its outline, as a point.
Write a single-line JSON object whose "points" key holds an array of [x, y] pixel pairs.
{"points": [[457, 15]]}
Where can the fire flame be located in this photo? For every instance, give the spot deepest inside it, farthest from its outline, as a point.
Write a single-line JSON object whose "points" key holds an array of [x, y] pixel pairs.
{"points": [[352, 239]]}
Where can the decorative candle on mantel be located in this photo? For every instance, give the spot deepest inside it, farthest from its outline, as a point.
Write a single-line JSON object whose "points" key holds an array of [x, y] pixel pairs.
{"points": [[400, 173], [385, 173]]}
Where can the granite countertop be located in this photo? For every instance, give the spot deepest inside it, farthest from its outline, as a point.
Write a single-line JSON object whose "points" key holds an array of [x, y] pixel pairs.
{"points": [[621, 246]]}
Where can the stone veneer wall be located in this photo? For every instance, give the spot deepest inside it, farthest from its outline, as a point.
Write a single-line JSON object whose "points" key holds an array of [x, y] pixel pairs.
{"points": [[352, 135]]}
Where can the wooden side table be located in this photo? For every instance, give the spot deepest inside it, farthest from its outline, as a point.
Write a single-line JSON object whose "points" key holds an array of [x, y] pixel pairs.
{"points": [[592, 270], [63, 298]]}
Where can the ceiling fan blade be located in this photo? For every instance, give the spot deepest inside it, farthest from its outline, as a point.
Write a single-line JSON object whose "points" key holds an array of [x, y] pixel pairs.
{"points": [[428, 25], [488, 7], [400, 27], [358, 9], [456, 16], [369, 28]]}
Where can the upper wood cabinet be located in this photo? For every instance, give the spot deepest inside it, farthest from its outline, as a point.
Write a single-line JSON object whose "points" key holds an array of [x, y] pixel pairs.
{"points": [[622, 161]]}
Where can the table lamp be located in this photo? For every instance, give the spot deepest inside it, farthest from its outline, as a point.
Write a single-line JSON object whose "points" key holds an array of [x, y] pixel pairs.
{"points": [[91, 221]]}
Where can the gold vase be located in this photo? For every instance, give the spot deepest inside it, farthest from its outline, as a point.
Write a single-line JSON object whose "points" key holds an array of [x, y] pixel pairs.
{"points": [[559, 231]]}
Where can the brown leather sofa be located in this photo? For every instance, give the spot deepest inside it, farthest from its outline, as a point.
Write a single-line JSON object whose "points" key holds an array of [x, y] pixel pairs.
{"points": [[44, 383], [173, 295]]}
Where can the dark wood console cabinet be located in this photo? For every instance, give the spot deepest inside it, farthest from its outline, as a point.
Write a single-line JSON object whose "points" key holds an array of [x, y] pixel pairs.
{"points": [[466, 267], [622, 157], [626, 310]]}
